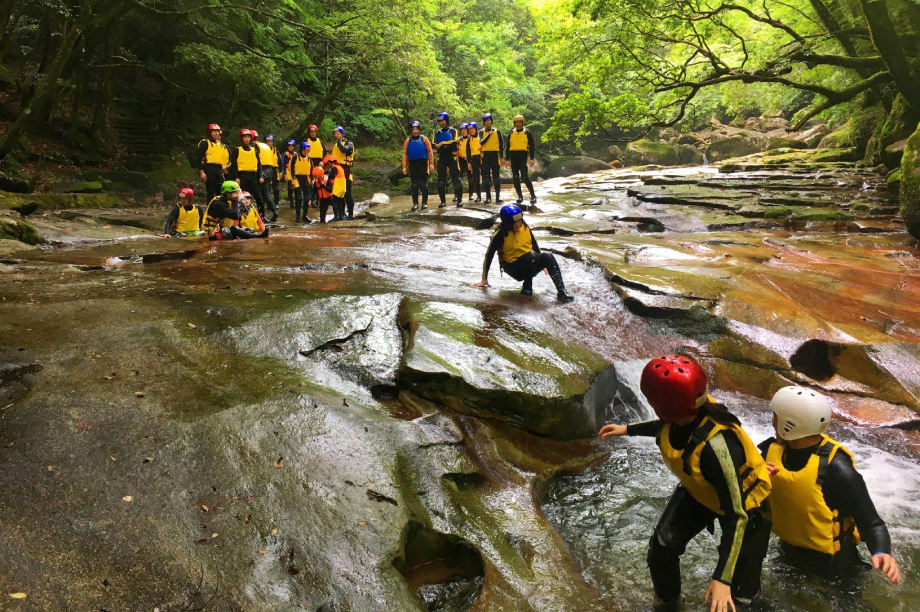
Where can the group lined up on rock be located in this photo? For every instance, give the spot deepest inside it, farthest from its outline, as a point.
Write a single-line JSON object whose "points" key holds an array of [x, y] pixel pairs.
{"points": [[801, 485]]}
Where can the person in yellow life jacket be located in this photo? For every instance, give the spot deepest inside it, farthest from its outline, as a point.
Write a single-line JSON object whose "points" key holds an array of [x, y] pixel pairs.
{"points": [[519, 254], [722, 478], [317, 152], [474, 161], [336, 184], [520, 152], [214, 161], [299, 173], [286, 158], [222, 215], [820, 505], [246, 166], [344, 152], [271, 163], [462, 137], [492, 147], [417, 162], [250, 219], [184, 219]]}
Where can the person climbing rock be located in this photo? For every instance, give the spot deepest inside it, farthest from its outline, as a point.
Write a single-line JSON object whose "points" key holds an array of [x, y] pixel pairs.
{"points": [[214, 158], [250, 219], [445, 144], [317, 153], [474, 161], [185, 218], [520, 153], [222, 214], [417, 162], [337, 185], [344, 153], [299, 175], [519, 254], [722, 477], [246, 166], [492, 146], [286, 159], [821, 507], [321, 195], [271, 162]]}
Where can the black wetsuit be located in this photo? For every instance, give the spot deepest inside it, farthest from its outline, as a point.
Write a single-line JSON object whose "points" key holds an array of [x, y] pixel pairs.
{"points": [[845, 491], [684, 518], [525, 267], [286, 158], [249, 180], [447, 163], [271, 189], [214, 173], [519, 161], [491, 164], [474, 176]]}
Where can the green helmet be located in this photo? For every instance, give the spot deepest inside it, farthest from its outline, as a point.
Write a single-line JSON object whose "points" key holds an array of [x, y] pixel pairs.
{"points": [[229, 187]]}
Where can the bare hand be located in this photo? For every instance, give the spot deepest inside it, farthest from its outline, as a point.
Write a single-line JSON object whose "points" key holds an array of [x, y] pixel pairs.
{"points": [[483, 283], [204, 177], [405, 172], [720, 595], [888, 566], [430, 168], [261, 181], [237, 181], [772, 469], [530, 164], [608, 431], [165, 236]]}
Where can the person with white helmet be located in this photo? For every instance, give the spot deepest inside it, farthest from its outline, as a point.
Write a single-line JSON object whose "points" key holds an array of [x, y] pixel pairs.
{"points": [[821, 507]]}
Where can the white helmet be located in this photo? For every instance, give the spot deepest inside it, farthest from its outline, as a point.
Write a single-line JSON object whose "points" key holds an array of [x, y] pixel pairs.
{"points": [[800, 412]]}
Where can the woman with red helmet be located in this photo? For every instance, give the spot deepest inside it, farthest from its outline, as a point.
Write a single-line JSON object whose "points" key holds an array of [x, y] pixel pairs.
{"points": [[185, 218], [214, 160], [722, 477], [246, 165], [316, 147]]}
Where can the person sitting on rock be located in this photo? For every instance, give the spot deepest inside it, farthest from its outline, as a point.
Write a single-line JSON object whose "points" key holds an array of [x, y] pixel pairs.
{"points": [[722, 477], [250, 219], [821, 507], [519, 254], [185, 218], [222, 214]]}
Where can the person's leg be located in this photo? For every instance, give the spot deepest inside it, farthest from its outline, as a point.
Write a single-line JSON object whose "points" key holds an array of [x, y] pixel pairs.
{"points": [[290, 188], [487, 175], [522, 269], [477, 176], [548, 262], [246, 234], [299, 198], [323, 207], [253, 186], [276, 189], [458, 186], [746, 583], [516, 175], [497, 179], [349, 198], [214, 178], [442, 180], [525, 178], [267, 194], [415, 176], [683, 519]]}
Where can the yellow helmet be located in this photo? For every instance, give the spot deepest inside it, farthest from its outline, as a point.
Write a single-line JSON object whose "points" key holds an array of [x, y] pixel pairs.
{"points": [[519, 118]]}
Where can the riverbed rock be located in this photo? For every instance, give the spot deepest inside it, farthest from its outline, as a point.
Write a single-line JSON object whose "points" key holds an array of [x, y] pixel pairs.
{"points": [[20, 230], [379, 199], [813, 135], [910, 185], [569, 166], [689, 154], [735, 146], [893, 153], [646, 152], [787, 143], [765, 124]]}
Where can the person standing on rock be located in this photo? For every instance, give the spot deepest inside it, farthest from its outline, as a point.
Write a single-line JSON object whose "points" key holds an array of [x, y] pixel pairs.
{"points": [[246, 166], [492, 146], [474, 161], [344, 153], [271, 161], [317, 152], [299, 175], [821, 507], [336, 184], [722, 477], [520, 153], [185, 218], [445, 144], [462, 137], [286, 158], [223, 213], [214, 161], [417, 162], [519, 255]]}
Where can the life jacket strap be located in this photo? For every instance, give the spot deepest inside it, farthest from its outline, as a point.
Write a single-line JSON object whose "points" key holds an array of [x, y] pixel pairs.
{"points": [[698, 437]]}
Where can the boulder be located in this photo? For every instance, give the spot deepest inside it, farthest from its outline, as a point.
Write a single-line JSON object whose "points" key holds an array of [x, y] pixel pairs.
{"points": [[396, 177], [893, 153], [14, 180], [893, 182], [17, 229], [569, 166], [689, 139], [813, 135], [856, 133], [379, 199], [645, 152], [597, 148], [787, 143], [735, 146], [615, 152], [689, 154], [910, 185], [86, 187], [765, 124], [715, 122], [772, 114]]}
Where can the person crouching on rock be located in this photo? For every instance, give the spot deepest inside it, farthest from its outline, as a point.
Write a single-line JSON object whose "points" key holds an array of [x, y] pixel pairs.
{"points": [[519, 254], [722, 477], [185, 218], [820, 505], [250, 219], [223, 212]]}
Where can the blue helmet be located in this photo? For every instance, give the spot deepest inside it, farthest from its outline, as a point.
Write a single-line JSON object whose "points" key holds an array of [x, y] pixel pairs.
{"points": [[304, 145], [463, 126], [473, 125], [269, 137], [292, 142], [339, 128], [486, 116], [415, 124], [443, 116], [509, 214]]}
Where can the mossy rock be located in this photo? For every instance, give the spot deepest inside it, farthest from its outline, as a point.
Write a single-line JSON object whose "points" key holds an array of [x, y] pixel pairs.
{"points": [[28, 204], [86, 187], [910, 185], [17, 229], [689, 154], [779, 142], [821, 215], [12, 179], [856, 133], [644, 152], [777, 213], [893, 182], [735, 146]]}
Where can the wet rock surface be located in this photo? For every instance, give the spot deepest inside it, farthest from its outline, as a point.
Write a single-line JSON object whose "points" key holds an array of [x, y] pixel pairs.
{"points": [[334, 418]]}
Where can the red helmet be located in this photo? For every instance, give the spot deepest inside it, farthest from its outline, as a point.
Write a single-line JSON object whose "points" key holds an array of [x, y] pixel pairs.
{"points": [[187, 193], [246, 194], [245, 132], [313, 127], [214, 126], [318, 173], [255, 134], [675, 386]]}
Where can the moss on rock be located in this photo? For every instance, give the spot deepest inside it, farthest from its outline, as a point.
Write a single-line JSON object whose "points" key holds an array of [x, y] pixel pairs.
{"points": [[17, 229], [910, 185], [644, 152]]}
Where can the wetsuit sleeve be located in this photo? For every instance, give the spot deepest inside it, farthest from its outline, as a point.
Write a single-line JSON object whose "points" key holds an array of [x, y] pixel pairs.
{"points": [[501, 141], [494, 244], [258, 161], [347, 148], [202, 151], [171, 220], [531, 145], [845, 491], [405, 153], [234, 154], [720, 463], [220, 209], [645, 429], [430, 152], [330, 178]]}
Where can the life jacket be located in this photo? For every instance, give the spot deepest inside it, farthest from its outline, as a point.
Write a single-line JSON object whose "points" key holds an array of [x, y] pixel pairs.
{"points": [[475, 148], [339, 184], [316, 148], [416, 148], [302, 165], [685, 463], [211, 225], [491, 140], [286, 160], [517, 141], [801, 517], [516, 244], [251, 219], [247, 161], [446, 135], [271, 154], [341, 158], [188, 221], [217, 153], [321, 190], [461, 146]]}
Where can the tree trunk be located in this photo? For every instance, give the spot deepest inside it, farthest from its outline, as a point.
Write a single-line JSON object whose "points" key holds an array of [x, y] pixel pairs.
{"points": [[886, 40], [7, 8], [318, 112]]}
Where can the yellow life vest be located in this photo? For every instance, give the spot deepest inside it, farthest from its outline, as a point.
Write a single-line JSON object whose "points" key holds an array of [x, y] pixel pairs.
{"points": [[251, 219], [517, 141], [316, 148], [212, 224], [801, 517], [516, 244], [217, 153], [302, 165], [461, 147], [475, 147], [685, 463], [341, 158], [247, 161], [188, 221], [492, 143], [339, 185], [270, 158]]}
